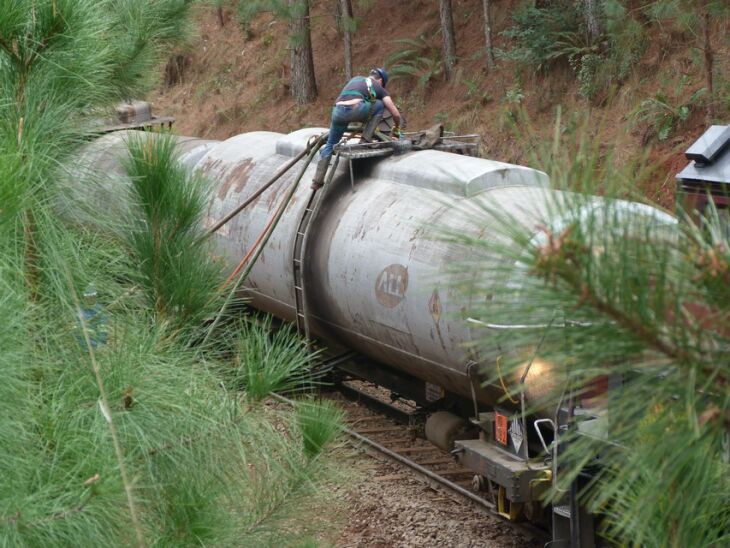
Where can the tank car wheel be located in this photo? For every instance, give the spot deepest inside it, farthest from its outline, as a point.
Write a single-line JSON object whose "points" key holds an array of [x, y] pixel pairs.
{"points": [[479, 483]]}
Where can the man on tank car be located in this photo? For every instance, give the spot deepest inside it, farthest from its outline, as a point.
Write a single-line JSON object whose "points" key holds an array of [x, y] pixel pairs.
{"points": [[361, 100]]}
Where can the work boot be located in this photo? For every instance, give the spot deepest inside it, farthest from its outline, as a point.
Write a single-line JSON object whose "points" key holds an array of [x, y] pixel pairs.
{"points": [[370, 127], [319, 175]]}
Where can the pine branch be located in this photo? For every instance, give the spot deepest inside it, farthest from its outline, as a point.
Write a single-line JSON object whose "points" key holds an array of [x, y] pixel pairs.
{"points": [[4, 44], [556, 260], [56, 516], [104, 404]]}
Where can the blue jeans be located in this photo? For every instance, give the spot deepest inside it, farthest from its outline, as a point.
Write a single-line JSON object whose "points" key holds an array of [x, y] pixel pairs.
{"points": [[342, 115]]}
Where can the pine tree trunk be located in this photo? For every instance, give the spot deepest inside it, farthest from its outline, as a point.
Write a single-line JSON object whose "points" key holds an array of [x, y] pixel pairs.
{"points": [[709, 61], [591, 16], [345, 25], [447, 32], [486, 4], [303, 84], [221, 18]]}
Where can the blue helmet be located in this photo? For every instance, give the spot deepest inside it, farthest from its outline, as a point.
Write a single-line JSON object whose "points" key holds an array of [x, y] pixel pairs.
{"points": [[380, 73]]}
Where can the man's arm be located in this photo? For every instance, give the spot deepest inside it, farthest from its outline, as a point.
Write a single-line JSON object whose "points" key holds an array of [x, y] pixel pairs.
{"points": [[390, 105]]}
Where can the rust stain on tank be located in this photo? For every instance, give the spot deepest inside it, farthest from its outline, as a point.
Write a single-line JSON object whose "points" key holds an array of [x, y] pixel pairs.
{"points": [[241, 173], [225, 187], [211, 165], [361, 227], [435, 309], [238, 175]]}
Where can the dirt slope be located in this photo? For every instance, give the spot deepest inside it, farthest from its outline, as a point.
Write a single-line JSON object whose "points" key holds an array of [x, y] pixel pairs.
{"points": [[232, 83]]}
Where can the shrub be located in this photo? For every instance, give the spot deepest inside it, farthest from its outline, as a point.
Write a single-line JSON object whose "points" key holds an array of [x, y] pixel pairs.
{"points": [[417, 61], [171, 263], [266, 362], [544, 37], [319, 422], [663, 114]]}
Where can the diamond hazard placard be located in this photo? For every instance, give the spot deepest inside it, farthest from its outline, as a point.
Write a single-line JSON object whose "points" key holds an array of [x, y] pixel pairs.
{"points": [[515, 433]]}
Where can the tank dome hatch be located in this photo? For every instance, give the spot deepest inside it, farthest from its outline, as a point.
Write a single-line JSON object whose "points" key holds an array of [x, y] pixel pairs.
{"points": [[455, 174], [293, 143]]}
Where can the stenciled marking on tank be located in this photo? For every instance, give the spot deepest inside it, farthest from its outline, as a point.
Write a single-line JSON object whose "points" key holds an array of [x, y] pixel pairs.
{"points": [[391, 285]]}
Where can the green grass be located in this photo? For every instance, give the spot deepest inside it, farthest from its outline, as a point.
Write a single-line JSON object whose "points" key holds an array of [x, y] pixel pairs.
{"points": [[319, 423], [268, 362], [137, 441], [59, 475]]}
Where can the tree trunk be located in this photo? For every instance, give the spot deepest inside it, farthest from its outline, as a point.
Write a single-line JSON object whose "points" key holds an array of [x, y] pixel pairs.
{"points": [[709, 61], [346, 27], [175, 69], [221, 18], [447, 32], [303, 84], [487, 4], [592, 18]]}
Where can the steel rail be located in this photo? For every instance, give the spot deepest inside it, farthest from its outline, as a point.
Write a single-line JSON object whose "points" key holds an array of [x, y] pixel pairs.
{"points": [[421, 470], [489, 506]]}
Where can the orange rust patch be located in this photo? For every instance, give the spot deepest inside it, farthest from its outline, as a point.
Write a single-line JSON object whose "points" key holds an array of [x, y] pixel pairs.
{"points": [[238, 175]]}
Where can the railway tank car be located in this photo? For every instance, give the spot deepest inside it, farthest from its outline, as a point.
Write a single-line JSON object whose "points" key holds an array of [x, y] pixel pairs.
{"points": [[374, 271], [374, 275], [376, 280]]}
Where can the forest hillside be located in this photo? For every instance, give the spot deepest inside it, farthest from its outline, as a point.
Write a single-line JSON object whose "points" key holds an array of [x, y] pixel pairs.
{"points": [[642, 81]]}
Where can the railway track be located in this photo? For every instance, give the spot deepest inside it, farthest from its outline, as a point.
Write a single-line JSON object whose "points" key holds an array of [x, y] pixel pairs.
{"points": [[396, 438]]}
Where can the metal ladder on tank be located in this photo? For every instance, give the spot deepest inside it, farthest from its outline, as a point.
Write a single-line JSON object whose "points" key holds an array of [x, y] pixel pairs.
{"points": [[310, 211]]}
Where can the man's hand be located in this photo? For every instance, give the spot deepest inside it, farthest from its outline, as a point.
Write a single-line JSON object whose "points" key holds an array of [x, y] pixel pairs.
{"points": [[390, 105]]}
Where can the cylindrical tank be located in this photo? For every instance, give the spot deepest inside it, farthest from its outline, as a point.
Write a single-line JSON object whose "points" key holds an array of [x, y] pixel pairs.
{"points": [[374, 270]]}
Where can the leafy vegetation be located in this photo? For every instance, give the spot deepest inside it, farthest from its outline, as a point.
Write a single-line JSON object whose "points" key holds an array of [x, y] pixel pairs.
{"points": [[620, 291], [285, 10], [663, 115], [545, 36], [475, 93], [416, 61], [172, 262], [98, 436], [266, 362]]}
